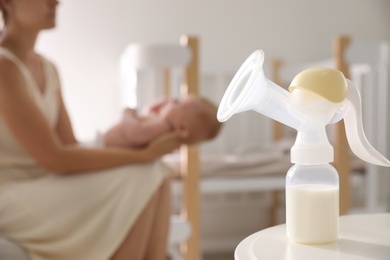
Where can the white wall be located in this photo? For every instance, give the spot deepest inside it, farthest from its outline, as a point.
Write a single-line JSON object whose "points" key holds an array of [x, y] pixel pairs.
{"points": [[91, 35]]}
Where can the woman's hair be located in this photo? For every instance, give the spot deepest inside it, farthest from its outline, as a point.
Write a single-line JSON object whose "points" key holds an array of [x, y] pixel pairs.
{"points": [[4, 15]]}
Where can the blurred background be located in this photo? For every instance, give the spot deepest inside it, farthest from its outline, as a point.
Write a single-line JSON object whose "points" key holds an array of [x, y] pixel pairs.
{"points": [[91, 36]]}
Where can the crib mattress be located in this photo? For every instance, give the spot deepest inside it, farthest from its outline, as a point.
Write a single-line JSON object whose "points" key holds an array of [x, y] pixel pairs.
{"points": [[269, 162]]}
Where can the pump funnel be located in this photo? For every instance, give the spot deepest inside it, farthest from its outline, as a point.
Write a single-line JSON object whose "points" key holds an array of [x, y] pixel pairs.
{"points": [[251, 90]]}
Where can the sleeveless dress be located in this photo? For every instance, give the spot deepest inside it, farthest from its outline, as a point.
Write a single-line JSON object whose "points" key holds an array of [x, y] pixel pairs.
{"points": [[82, 216]]}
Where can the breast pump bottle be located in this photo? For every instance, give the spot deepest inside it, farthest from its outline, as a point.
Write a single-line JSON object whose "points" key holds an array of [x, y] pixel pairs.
{"points": [[316, 97], [312, 184]]}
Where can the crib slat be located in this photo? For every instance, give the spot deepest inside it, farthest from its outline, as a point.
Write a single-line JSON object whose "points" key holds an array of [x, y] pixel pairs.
{"points": [[189, 158], [341, 148]]}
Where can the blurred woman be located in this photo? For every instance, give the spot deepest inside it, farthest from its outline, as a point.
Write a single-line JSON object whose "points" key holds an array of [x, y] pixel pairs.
{"points": [[58, 199]]}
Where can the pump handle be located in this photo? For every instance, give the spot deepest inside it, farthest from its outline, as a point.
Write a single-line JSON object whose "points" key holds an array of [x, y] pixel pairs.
{"points": [[354, 129]]}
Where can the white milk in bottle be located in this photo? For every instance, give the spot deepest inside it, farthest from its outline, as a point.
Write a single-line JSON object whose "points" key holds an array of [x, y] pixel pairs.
{"points": [[312, 212], [312, 204]]}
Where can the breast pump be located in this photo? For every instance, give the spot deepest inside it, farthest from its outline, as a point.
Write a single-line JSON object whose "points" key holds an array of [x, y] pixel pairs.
{"points": [[316, 97]]}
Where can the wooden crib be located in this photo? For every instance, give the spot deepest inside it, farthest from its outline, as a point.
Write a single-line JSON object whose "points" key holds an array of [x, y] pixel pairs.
{"points": [[162, 61]]}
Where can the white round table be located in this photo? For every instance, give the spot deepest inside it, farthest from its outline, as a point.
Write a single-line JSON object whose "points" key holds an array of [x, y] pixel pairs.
{"points": [[360, 237]]}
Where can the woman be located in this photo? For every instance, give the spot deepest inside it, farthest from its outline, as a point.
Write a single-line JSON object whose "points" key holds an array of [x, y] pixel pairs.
{"points": [[60, 200]]}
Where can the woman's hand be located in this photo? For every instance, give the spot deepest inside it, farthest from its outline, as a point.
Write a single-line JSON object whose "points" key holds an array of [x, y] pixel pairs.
{"points": [[163, 145]]}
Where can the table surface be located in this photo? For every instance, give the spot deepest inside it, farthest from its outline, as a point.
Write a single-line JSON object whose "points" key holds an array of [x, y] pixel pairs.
{"points": [[360, 237]]}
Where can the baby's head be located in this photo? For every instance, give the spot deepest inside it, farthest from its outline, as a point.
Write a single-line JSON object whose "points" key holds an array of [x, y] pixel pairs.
{"points": [[194, 117]]}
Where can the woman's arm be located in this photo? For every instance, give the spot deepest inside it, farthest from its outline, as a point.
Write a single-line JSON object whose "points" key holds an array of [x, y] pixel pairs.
{"points": [[64, 126], [58, 152]]}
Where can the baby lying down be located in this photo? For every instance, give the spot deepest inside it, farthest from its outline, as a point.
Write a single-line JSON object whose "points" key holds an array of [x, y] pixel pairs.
{"points": [[193, 117]]}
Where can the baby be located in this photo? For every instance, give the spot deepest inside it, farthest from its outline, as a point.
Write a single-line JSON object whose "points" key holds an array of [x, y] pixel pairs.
{"points": [[193, 117]]}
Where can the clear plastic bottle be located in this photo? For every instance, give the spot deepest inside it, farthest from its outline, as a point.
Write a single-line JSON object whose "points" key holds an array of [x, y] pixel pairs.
{"points": [[312, 204]]}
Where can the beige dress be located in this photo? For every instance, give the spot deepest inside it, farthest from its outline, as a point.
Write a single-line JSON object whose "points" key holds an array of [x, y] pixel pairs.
{"points": [[67, 217]]}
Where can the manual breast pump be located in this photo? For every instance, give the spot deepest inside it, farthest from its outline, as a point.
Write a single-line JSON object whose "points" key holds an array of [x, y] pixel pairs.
{"points": [[316, 97]]}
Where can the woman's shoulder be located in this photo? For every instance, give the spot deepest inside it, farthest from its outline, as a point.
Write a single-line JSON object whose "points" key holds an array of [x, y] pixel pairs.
{"points": [[6, 54], [10, 64], [8, 67], [11, 69]]}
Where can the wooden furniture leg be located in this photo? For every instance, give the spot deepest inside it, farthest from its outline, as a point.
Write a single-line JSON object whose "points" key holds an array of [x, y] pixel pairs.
{"points": [[341, 148], [189, 159]]}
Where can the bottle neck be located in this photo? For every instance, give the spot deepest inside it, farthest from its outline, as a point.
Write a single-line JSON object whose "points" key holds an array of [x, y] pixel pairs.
{"points": [[312, 146]]}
